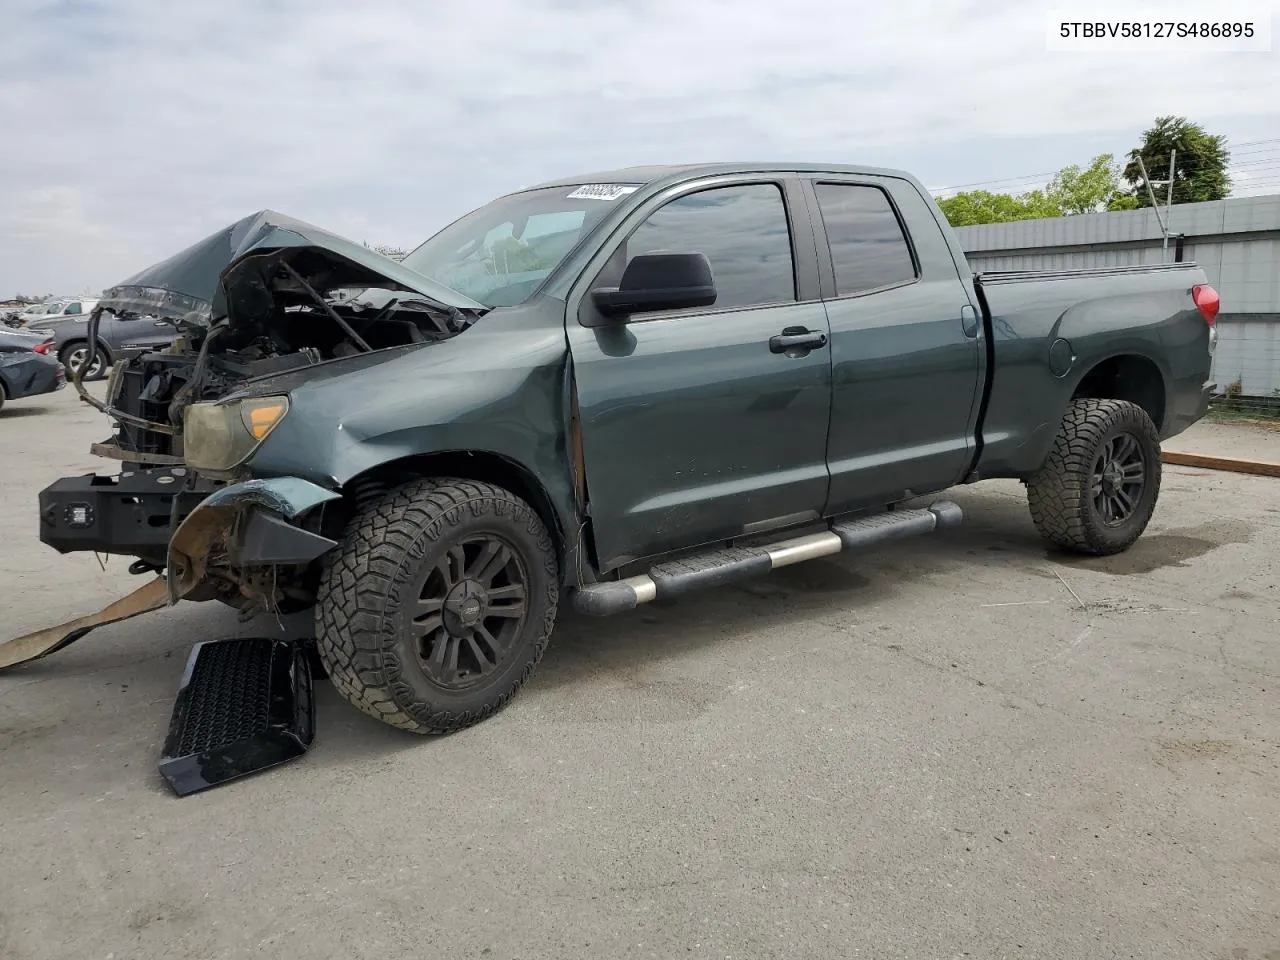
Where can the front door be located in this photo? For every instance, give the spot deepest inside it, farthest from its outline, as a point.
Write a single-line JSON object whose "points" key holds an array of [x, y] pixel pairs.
{"points": [[695, 428]]}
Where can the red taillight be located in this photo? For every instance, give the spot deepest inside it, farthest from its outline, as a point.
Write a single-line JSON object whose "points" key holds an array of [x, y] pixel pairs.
{"points": [[1207, 302], [43, 347]]}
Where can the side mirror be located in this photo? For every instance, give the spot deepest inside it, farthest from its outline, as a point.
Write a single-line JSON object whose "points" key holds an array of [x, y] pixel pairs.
{"points": [[659, 281]]}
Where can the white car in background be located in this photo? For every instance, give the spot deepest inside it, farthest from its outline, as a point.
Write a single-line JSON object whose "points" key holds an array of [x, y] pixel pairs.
{"points": [[54, 311]]}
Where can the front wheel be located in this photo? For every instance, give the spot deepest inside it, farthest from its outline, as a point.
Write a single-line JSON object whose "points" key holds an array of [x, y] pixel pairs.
{"points": [[438, 605], [1098, 488]]}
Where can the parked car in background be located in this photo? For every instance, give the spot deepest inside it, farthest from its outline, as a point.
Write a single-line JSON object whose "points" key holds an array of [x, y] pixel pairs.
{"points": [[116, 335], [35, 311], [28, 366], [55, 311]]}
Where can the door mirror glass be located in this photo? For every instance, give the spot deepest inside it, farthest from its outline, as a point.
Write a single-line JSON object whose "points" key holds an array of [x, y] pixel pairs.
{"points": [[659, 281]]}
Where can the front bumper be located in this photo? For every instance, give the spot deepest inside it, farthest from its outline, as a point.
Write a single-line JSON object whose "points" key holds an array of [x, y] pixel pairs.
{"points": [[241, 527], [128, 514]]}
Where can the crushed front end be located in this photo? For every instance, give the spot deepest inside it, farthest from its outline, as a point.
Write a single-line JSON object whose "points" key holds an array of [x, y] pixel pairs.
{"points": [[256, 309], [155, 401], [151, 398]]}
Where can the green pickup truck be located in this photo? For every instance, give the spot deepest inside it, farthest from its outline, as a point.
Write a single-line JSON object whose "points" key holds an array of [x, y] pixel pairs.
{"points": [[598, 392]]}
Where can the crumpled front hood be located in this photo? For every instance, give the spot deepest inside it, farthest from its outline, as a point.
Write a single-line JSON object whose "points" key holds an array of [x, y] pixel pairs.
{"points": [[191, 285]]}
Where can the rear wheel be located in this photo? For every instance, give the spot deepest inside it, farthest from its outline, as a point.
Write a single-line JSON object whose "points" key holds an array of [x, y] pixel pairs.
{"points": [[1098, 488], [3, 395], [438, 605], [73, 357]]}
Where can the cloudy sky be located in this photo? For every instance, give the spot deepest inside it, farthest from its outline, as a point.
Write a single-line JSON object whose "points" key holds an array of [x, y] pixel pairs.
{"points": [[130, 128]]}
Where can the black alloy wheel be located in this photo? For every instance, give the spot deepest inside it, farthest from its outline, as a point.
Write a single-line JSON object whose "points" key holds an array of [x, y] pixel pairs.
{"points": [[438, 604], [471, 608], [1098, 487], [1119, 477]]}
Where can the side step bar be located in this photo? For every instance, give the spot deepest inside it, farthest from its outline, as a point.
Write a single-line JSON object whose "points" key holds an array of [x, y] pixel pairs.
{"points": [[715, 568]]}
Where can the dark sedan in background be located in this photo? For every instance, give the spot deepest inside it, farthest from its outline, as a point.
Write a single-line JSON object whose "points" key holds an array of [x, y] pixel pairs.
{"points": [[29, 365]]}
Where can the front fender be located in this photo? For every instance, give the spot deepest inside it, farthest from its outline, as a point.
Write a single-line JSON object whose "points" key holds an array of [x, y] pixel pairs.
{"points": [[255, 514]]}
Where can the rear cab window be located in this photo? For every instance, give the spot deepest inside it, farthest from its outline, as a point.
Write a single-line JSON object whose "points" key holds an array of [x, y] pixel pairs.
{"points": [[869, 247]]}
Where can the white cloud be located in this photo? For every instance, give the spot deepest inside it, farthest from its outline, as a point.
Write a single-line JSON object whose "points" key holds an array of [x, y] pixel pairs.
{"points": [[144, 126]]}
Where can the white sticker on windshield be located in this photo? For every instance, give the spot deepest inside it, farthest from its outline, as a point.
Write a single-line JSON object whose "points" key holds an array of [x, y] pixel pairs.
{"points": [[601, 191]]}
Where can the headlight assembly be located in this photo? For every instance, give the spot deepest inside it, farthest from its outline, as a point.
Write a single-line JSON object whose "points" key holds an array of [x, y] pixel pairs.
{"points": [[221, 436]]}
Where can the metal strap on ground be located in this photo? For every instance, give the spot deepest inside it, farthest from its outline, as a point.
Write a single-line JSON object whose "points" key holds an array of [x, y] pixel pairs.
{"points": [[1261, 468], [33, 646]]}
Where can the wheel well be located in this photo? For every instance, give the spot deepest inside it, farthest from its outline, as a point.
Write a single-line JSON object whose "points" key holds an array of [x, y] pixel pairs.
{"points": [[1130, 378], [465, 465]]}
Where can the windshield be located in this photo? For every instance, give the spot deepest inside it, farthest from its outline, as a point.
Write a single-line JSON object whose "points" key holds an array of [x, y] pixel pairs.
{"points": [[500, 254]]}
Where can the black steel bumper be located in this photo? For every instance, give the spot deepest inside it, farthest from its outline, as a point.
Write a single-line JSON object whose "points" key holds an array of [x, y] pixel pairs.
{"points": [[129, 514]]}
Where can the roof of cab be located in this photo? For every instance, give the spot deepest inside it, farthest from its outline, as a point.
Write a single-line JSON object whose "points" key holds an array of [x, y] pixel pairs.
{"points": [[684, 171]]}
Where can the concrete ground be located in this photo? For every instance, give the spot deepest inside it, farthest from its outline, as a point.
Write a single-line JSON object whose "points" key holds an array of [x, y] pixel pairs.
{"points": [[955, 747]]}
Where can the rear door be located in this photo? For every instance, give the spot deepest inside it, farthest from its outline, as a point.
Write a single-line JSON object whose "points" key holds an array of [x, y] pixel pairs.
{"points": [[694, 427], [906, 351]]}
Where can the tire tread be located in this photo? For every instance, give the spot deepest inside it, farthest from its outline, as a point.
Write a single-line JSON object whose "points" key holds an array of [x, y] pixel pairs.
{"points": [[355, 639], [1058, 494]]}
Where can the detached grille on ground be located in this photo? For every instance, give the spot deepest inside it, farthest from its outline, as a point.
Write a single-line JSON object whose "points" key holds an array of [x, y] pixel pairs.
{"points": [[244, 705]]}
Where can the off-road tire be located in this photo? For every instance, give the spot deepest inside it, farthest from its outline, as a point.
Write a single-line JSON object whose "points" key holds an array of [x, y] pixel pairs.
{"points": [[370, 659], [1059, 495]]}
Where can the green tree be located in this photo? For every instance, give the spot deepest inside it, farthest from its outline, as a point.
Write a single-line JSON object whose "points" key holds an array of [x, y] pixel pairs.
{"points": [[1122, 201], [1200, 164], [1091, 190], [982, 206], [1072, 190]]}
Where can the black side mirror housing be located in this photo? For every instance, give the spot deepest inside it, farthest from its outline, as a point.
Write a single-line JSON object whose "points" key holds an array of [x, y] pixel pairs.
{"points": [[659, 281]]}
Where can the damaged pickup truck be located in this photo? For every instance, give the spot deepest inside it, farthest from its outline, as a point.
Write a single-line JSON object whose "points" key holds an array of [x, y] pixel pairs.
{"points": [[608, 389]]}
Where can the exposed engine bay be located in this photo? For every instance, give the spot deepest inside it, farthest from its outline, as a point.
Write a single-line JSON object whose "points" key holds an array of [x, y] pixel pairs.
{"points": [[284, 311], [252, 308]]}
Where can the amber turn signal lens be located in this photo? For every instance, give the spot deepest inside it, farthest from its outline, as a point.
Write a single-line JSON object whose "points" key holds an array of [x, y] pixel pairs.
{"points": [[261, 415]]}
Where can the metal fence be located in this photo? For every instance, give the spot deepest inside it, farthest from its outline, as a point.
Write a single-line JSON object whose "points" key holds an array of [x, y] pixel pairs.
{"points": [[1247, 361]]}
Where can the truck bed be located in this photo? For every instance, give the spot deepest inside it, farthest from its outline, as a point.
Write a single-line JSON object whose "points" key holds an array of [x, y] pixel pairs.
{"points": [[1136, 326]]}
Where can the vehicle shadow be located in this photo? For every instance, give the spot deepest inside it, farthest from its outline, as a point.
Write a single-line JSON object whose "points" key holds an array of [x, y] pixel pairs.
{"points": [[583, 652], [11, 412], [997, 530], [616, 651]]}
